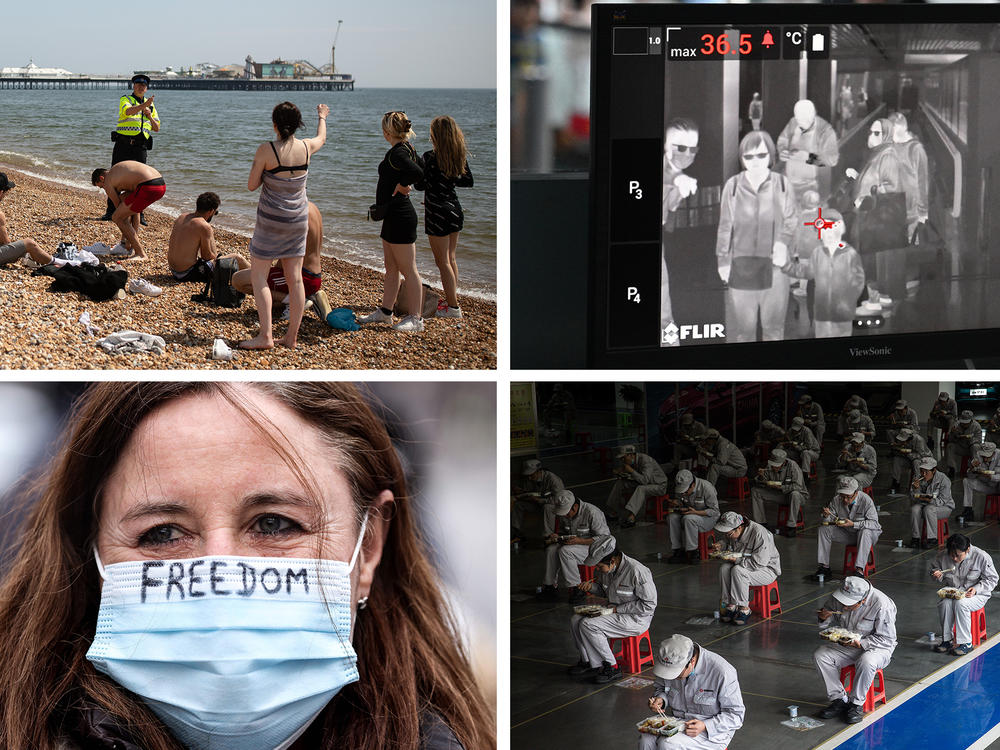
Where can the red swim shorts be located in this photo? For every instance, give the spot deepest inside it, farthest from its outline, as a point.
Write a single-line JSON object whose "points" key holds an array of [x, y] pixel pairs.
{"points": [[276, 280], [145, 194]]}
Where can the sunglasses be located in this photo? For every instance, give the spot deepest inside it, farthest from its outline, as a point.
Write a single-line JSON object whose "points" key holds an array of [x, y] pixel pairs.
{"points": [[759, 155], [682, 148]]}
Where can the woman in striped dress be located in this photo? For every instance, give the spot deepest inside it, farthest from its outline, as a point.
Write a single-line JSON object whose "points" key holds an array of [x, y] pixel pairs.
{"points": [[282, 218]]}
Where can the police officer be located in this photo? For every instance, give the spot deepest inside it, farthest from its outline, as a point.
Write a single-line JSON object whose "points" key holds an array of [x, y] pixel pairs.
{"points": [[564, 554], [801, 444], [695, 509], [964, 439], [137, 120], [779, 482], [984, 476], [720, 457], [850, 518], [944, 412], [537, 487], [931, 495], [972, 570], [863, 609], [903, 416], [812, 415], [906, 449], [854, 402], [699, 686], [628, 586], [759, 566], [639, 477], [858, 460]]}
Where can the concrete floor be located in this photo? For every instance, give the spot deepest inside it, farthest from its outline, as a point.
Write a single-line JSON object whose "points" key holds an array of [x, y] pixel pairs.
{"points": [[773, 658]]}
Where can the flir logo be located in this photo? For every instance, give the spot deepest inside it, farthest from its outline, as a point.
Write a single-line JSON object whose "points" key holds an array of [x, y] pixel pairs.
{"points": [[672, 333]]}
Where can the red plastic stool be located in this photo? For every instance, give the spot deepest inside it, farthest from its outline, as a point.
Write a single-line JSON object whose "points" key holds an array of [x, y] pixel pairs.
{"points": [[965, 466], [741, 490], [851, 560], [630, 655], [582, 439], [586, 572], [703, 537], [870, 491], [943, 532], [992, 507], [661, 507], [603, 455], [812, 471], [978, 627], [765, 600], [783, 517], [874, 693]]}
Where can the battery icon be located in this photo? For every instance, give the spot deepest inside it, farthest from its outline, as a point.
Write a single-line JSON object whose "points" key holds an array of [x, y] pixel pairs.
{"points": [[818, 43]]}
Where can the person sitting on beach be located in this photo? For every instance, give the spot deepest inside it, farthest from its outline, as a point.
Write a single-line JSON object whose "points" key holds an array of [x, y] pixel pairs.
{"points": [[11, 251], [311, 267], [132, 187], [191, 253]]}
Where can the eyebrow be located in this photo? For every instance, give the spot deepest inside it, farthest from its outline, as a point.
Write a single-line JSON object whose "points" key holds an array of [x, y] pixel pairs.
{"points": [[146, 508]]}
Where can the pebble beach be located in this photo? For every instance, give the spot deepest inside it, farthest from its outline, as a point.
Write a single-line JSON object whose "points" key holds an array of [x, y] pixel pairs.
{"points": [[40, 329]]}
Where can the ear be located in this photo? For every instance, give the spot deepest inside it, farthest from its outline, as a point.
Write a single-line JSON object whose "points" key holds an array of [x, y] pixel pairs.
{"points": [[379, 518]]}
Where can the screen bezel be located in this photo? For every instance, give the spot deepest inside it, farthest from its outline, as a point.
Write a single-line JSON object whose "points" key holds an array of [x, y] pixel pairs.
{"points": [[902, 349]]}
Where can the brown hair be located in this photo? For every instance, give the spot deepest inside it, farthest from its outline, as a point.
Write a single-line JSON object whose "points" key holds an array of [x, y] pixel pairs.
{"points": [[449, 146], [287, 119], [397, 125], [410, 659]]}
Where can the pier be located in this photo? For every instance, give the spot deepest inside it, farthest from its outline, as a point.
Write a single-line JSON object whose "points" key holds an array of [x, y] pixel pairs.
{"points": [[341, 82]]}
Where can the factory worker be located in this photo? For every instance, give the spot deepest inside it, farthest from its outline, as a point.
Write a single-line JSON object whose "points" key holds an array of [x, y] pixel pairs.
{"points": [[812, 415], [854, 403], [628, 586], [639, 477], [769, 433], [856, 421], [850, 518], [858, 459], [902, 416], [931, 495], [563, 554], [695, 508], [962, 566], [984, 476], [760, 564], [964, 439], [690, 433], [906, 449], [720, 458], [801, 444], [861, 608], [699, 686], [943, 414], [992, 427], [791, 490], [536, 487]]}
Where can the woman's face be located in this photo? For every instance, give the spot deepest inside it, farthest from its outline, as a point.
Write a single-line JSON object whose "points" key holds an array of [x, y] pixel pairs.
{"points": [[755, 159], [875, 135], [197, 479]]}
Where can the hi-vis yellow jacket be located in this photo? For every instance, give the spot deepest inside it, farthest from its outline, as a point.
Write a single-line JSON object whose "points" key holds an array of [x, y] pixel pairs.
{"points": [[137, 124]]}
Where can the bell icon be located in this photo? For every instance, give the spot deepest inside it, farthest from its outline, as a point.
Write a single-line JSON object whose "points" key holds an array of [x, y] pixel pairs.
{"points": [[768, 39]]}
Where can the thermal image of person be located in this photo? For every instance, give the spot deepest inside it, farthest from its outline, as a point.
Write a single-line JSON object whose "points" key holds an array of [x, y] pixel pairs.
{"points": [[756, 224], [913, 169], [808, 148], [680, 147]]}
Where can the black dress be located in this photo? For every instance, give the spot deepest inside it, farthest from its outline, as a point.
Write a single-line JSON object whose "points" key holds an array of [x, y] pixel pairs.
{"points": [[401, 166], [442, 211]]}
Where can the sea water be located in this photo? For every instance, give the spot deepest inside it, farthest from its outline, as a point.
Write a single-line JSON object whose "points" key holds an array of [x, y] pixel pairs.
{"points": [[207, 143]]}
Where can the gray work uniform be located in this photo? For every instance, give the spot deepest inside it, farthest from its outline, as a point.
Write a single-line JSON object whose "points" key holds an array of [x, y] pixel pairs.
{"points": [[875, 621], [897, 422], [792, 492], [942, 417], [906, 455], [862, 424], [726, 460], [863, 534], [564, 558], [928, 512], [802, 446], [647, 481], [549, 484], [688, 437], [630, 588], [769, 436], [992, 426], [685, 527], [812, 415], [963, 440], [711, 693], [760, 564], [976, 482], [842, 420], [976, 570], [864, 470]]}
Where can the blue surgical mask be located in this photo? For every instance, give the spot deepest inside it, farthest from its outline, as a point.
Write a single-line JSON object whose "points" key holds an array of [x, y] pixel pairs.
{"points": [[231, 653]]}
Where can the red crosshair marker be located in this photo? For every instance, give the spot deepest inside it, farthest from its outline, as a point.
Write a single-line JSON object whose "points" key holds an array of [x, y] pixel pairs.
{"points": [[819, 222]]}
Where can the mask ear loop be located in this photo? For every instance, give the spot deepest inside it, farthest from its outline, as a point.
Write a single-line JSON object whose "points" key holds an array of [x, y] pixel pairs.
{"points": [[361, 538], [100, 565]]}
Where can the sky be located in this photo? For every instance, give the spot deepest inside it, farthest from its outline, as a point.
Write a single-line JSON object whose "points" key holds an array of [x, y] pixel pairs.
{"points": [[383, 43]]}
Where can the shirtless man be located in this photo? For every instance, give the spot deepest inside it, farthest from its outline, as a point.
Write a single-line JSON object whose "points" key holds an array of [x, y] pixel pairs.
{"points": [[191, 254], [131, 186], [311, 268], [11, 251]]}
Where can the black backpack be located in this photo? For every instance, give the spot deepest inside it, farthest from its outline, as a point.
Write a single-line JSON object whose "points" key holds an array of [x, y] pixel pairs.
{"points": [[218, 289]]}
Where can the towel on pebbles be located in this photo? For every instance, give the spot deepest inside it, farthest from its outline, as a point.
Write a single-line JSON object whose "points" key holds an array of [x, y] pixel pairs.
{"points": [[95, 282], [99, 248], [132, 342]]}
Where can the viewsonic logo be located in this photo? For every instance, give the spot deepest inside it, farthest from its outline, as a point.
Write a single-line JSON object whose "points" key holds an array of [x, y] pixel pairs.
{"points": [[671, 334]]}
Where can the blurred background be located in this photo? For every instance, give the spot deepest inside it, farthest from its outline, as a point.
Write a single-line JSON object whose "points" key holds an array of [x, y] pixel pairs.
{"points": [[445, 433]]}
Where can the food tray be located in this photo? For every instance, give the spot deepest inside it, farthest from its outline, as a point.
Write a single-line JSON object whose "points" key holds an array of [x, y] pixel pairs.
{"points": [[905, 450], [842, 521], [665, 726], [593, 610], [839, 635], [949, 592], [773, 483], [985, 472], [566, 537], [733, 557]]}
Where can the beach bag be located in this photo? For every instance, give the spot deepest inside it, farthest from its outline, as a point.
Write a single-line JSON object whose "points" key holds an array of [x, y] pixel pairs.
{"points": [[218, 289], [881, 223], [428, 304], [376, 211]]}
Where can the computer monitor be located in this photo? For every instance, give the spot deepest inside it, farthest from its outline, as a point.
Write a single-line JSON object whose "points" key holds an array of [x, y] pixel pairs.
{"points": [[794, 185]]}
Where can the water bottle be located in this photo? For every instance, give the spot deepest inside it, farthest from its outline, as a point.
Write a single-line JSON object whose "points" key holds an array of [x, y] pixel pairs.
{"points": [[821, 577], [659, 557], [793, 712], [715, 614], [538, 589]]}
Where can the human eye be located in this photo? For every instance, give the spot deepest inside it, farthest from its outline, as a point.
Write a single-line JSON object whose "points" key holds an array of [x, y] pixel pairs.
{"points": [[160, 536], [272, 524]]}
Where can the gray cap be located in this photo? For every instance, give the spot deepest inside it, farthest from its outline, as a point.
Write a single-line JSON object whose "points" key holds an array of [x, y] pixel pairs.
{"points": [[601, 547], [767, 423], [988, 449], [965, 417], [857, 437], [683, 480], [854, 400], [852, 590], [728, 521], [854, 413], [626, 450], [564, 500], [531, 466], [847, 485], [672, 656], [687, 418], [943, 396], [901, 404], [777, 457], [927, 463], [904, 434], [798, 422], [805, 399], [712, 434]]}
